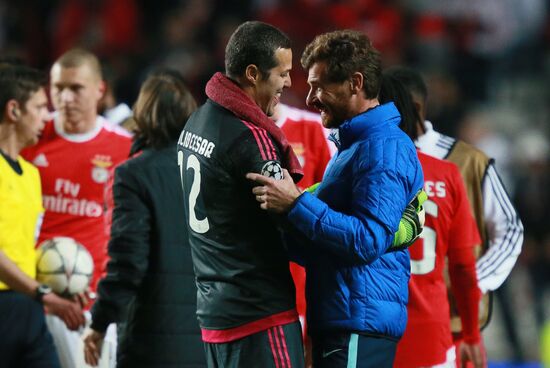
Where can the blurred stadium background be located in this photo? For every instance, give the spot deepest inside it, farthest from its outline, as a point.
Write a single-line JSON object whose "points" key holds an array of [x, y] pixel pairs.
{"points": [[487, 64]]}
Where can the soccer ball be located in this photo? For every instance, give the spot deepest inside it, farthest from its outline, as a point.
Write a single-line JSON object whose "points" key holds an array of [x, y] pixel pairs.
{"points": [[272, 169], [64, 265]]}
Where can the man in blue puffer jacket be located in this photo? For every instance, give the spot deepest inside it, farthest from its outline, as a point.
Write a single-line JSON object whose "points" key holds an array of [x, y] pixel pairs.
{"points": [[356, 290]]}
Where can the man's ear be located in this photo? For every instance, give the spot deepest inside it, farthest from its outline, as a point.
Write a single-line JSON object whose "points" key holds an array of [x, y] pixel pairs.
{"points": [[252, 74], [12, 110], [102, 88], [356, 83]]}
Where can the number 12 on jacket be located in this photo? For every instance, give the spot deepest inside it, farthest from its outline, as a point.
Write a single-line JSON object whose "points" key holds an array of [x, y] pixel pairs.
{"points": [[198, 226]]}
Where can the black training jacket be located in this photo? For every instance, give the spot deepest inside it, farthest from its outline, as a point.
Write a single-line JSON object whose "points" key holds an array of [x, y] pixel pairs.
{"points": [[239, 259], [149, 284]]}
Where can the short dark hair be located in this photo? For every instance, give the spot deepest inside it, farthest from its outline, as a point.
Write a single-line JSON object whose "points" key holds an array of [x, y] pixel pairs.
{"points": [[163, 106], [411, 79], [393, 90], [19, 82], [346, 52], [11, 60], [253, 43]]}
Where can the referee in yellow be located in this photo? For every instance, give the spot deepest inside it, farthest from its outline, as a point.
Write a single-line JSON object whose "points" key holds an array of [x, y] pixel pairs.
{"points": [[24, 337]]}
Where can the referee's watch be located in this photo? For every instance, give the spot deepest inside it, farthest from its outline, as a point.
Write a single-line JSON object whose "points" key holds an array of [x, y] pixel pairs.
{"points": [[41, 291]]}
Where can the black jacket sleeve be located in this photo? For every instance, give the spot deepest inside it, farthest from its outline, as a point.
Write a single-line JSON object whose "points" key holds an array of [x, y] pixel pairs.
{"points": [[129, 248]]}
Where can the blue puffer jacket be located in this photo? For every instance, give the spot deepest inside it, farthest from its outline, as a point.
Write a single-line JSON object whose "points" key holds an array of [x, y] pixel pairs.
{"points": [[352, 283]]}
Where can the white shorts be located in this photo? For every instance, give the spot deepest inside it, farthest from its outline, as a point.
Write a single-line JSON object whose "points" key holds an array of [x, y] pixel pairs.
{"points": [[450, 360], [70, 347]]}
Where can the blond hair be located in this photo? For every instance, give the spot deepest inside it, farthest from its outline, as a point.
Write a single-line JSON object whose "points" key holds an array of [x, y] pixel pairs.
{"points": [[78, 57]]}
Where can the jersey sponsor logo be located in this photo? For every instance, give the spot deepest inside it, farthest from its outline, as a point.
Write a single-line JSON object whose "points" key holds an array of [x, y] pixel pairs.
{"points": [[100, 169], [196, 143], [435, 188], [65, 200], [272, 169], [72, 206], [41, 161]]}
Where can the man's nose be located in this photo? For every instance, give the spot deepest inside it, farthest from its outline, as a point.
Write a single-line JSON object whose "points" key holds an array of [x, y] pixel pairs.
{"points": [[310, 98], [288, 82], [66, 95]]}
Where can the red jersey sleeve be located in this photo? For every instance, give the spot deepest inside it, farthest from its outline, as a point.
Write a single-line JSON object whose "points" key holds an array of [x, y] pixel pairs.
{"points": [[461, 258]]}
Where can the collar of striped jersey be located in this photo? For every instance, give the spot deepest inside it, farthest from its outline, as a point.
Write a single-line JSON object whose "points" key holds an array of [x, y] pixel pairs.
{"points": [[229, 95]]}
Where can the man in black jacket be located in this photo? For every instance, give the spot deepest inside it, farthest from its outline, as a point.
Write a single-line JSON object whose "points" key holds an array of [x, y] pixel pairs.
{"points": [[149, 283], [246, 305]]}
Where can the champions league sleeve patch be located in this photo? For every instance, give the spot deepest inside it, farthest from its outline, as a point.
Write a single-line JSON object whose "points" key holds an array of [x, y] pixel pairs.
{"points": [[272, 169]]}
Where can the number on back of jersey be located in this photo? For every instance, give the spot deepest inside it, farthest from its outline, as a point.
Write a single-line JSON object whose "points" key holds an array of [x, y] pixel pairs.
{"points": [[272, 169]]}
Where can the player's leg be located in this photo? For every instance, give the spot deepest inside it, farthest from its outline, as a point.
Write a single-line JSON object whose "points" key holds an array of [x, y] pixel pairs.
{"points": [[279, 346], [285, 344], [11, 328], [344, 350], [38, 349], [25, 340], [65, 341], [374, 352]]}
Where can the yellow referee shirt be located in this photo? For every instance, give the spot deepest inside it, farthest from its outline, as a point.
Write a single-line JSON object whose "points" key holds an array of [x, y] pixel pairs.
{"points": [[20, 213]]}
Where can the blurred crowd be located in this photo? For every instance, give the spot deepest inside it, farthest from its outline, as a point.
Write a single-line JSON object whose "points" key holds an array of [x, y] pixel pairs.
{"points": [[487, 64]]}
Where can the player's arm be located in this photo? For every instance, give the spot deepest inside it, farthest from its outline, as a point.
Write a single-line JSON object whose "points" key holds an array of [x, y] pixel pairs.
{"points": [[358, 237], [16, 279], [463, 238], [410, 225], [254, 152], [462, 273], [128, 250], [361, 235], [68, 311], [505, 234], [464, 287]]}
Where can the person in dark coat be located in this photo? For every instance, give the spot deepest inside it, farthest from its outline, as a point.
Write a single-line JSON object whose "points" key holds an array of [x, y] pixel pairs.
{"points": [[149, 284]]}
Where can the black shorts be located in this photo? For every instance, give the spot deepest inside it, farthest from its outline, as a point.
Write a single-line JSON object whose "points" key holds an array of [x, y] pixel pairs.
{"points": [[345, 349], [25, 340], [276, 347]]}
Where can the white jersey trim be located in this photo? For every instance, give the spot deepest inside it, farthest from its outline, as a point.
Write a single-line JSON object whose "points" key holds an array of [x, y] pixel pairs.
{"points": [[505, 230], [114, 128], [78, 138], [434, 143], [505, 233], [100, 123]]}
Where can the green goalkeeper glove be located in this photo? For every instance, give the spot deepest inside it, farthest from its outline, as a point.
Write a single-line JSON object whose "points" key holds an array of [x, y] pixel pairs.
{"points": [[312, 188], [411, 224]]}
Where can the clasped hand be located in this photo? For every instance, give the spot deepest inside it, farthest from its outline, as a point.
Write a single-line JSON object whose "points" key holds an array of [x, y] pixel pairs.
{"points": [[275, 195]]}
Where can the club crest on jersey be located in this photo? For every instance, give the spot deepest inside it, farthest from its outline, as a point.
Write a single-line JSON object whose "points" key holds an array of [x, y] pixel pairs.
{"points": [[272, 169], [100, 169]]}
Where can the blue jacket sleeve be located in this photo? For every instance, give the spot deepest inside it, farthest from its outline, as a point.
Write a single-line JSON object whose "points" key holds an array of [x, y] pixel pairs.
{"points": [[363, 234], [296, 245]]}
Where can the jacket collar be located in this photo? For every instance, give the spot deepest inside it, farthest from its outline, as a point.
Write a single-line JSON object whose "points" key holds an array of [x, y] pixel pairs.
{"points": [[361, 126]]}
